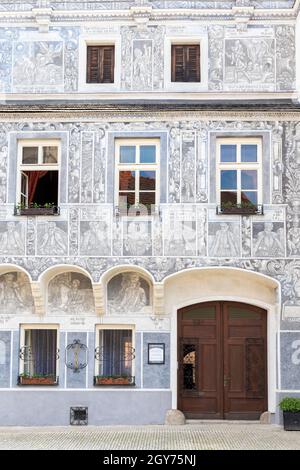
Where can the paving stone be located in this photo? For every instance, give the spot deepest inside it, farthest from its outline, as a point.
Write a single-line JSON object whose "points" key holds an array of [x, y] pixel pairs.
{"points": [[189, 437]]}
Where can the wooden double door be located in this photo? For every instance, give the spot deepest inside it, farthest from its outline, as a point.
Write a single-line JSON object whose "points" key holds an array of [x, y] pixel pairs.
{"points": [[222, 361]]}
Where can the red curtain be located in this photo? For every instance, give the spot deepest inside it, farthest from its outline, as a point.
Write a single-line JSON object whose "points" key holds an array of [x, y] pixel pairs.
{"points": [[33, 178]]}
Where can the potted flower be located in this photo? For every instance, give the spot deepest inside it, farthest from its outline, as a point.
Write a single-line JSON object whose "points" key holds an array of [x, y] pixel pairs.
{"points": [[48, 208], [114, 380], [233, 208], [291, 413], [37, 379]]}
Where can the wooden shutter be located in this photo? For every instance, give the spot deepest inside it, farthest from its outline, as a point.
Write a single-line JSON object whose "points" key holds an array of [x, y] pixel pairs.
{"points": [[185, 63], [100, 64]]}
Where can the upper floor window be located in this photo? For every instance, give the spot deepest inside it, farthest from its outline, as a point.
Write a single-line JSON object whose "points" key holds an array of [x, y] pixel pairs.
{"points": [[137, 173], [38, 173], [185, 63], [239, 171], [100, 64]]}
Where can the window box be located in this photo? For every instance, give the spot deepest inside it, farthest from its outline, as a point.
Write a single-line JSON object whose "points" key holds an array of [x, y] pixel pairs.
{"points": [[31, 211], [240, 210], [38, 380], [114, 380]]}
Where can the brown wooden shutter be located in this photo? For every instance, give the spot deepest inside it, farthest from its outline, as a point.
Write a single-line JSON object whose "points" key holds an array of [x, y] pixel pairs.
{"points": [[185, 63], [100, 64]]}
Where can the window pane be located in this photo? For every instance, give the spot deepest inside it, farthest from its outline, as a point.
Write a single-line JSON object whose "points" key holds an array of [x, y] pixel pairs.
{"points": [[126, 199], [249, 197], [228, 153], [189, 366], [40, 352], [249, 179], [229, 179], [30, 155], [50, 154], [249, 153], [147, 154], [116, 352], [127, 180], [147, 180], [147, 199], [227, 196], [127, 154]]}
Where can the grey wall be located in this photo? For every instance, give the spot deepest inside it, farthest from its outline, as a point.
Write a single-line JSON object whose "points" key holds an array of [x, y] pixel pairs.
{"points": [[36, 408], [156, 375]]}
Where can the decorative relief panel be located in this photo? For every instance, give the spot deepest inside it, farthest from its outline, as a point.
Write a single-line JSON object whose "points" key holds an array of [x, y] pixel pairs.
{"points": [[144, 46], [38, 66], [95, 231], [180, 236], [285, 57], [70, 293], [224, 239], [137, 237], [87, 154], [188, 172], [12, 239], [15, 294], [53, 238], [127, 293], [249, 64]]}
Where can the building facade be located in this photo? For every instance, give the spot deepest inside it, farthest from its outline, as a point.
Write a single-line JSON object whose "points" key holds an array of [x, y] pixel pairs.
{"points": [[149, 210]]}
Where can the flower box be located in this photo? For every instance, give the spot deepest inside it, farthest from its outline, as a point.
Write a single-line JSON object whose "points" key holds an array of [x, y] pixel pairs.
{"points": [[102, 380], [240, 210], [291, 413], [47, 380], [291, 420], [36, 211]]}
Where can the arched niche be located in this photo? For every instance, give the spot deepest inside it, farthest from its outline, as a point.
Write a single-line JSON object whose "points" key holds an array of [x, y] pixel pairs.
{"points": [[129, 292], [70, 293], [15, 292]]}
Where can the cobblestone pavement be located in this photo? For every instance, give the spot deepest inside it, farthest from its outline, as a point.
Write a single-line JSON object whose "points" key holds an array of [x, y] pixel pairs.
{"points": [[189, 437]]}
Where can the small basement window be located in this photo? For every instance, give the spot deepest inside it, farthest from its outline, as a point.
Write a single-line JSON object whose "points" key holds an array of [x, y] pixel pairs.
{"points": [[38, 176]]}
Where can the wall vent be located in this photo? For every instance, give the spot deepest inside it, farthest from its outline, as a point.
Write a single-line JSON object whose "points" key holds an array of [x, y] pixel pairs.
{"points": [[78, 416]]}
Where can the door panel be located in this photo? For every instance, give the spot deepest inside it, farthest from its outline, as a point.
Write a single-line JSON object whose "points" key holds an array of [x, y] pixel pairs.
{"points": [[222, 361]]}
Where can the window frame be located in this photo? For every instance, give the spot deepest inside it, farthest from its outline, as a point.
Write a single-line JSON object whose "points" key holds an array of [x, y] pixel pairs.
{"points": [[239, 165], [114, 327], [21, 167], [33, 326], [101, 46], [99, 40], [137, 166], [179, 87], [185, 71]]}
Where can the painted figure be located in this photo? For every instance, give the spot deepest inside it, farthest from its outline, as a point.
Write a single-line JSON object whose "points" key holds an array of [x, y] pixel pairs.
{"points": [[224, 243], [10, 294], [131, 296], [54, 240], [11, 241], [268, 243]]}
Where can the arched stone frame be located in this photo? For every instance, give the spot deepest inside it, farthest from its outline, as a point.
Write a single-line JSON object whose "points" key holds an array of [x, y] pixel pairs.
{"points": [[35, 290], [213, 284], [116, 270], [49, 274]]}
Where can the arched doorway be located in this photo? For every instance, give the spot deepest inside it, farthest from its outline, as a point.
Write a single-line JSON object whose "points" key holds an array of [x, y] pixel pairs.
{"points": [[222, 359]]}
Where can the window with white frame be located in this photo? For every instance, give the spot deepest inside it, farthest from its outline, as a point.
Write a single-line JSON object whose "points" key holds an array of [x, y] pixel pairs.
{"points": [[39, 352], [137, 173], [239, 171], [38, 172], [115, 352]]}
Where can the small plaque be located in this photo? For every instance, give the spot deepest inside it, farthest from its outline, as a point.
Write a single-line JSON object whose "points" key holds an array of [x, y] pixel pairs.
{"points": [[156, 353]]}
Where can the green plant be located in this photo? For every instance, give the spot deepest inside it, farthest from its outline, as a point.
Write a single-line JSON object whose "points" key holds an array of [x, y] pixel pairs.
{"points": [[290, 404], [36, 376]]}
